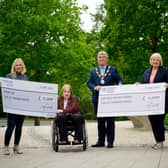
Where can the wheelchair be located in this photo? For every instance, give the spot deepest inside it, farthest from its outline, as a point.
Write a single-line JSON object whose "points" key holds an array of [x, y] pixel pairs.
{"points": [[70, 133]]}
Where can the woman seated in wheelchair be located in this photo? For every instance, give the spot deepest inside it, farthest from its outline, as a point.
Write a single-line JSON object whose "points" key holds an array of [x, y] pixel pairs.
{"points": [[68, 110]]}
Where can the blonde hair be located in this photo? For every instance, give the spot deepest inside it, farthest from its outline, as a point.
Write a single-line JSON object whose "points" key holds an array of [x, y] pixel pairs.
{"points": [[66, 86], [102, 53], [13, 66], [156, 55]]}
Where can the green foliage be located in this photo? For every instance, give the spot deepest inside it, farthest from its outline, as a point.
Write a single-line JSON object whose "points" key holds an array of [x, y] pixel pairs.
{"points": [[43, 33], [131, 31], [86, 104], [48, 36], [166, 120]]}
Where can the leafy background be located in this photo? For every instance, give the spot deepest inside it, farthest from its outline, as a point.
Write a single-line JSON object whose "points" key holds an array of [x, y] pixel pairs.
{"points": [[49, 38]]}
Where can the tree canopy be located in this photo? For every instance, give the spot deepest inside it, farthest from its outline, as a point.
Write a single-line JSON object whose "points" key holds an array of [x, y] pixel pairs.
{"points": [[48, 36], [131, 31]]}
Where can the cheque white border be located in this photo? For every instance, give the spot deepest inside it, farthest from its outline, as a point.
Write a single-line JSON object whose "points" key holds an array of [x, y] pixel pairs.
{"points": [[29, 98], [131, 100]]}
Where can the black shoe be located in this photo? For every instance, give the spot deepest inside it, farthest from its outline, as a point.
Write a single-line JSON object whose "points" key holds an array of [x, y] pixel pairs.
{"points": [[98, 145], [110, 145]]}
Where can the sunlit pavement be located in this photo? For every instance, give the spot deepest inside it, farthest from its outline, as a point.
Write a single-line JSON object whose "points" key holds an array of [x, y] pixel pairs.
{"points": [[132, 149]]}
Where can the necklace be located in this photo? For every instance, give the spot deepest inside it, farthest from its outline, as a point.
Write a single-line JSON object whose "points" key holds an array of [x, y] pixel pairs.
{"points": [[102, 76]]}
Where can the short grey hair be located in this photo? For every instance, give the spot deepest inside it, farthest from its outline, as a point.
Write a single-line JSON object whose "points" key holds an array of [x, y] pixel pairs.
{"points": [[156, 55], [102, 53]]}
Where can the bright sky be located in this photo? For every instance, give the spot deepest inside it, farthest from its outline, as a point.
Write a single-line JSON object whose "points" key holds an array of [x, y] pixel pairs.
{"points": [[86, 18]]}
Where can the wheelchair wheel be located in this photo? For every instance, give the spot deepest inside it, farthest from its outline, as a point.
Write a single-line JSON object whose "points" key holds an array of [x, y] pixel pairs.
{"points": [[55, 137], [85, 137]]}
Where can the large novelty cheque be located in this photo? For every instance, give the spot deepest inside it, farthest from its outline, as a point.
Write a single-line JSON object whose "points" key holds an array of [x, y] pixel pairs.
{"points": [[131, 100], [29, 98]]}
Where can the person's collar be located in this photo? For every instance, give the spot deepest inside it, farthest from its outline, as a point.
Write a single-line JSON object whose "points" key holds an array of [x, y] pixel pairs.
{"points": [[104, 66]]}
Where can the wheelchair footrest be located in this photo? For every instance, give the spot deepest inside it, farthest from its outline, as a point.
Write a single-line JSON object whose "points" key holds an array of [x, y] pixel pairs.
{"points": [[64, 143]]}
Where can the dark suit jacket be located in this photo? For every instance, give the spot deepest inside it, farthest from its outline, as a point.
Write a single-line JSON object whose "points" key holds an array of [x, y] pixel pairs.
{"points": [[161, 76], [72, 105], [111, 79]]}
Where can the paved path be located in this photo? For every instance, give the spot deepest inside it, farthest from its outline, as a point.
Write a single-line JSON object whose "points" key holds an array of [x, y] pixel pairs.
{"points": [[132, 150]]}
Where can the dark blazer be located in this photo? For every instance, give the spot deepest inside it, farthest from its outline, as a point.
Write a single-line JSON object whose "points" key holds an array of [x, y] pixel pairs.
{"points": [[94, 80], [161, 76], [72, 105]]}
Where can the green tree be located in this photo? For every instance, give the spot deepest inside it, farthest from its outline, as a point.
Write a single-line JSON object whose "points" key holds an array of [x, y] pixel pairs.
{"points": [[131, 31], [49, 38]]}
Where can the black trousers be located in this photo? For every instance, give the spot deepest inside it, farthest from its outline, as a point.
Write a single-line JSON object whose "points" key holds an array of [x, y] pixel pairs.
{"points": [[106, 127], [77, 120], [14, 121], [157, 124]]}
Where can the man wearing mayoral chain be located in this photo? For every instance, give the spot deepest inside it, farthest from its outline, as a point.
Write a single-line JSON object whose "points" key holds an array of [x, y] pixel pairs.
{"points": [[103, 75]]}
